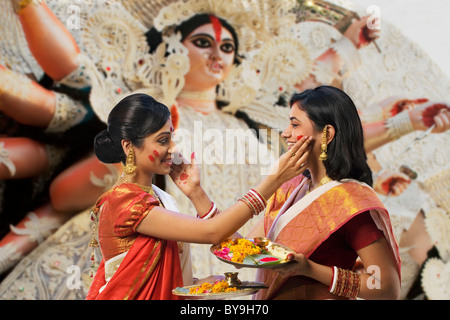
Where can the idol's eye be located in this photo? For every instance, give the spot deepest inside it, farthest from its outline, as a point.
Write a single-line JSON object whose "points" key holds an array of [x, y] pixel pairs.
{"points": [[227, 47], [202, 42]]}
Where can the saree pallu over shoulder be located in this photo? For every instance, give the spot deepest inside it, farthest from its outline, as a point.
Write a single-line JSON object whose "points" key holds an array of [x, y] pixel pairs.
{"points": [[149, 271], [149, 268], [305, 225]]}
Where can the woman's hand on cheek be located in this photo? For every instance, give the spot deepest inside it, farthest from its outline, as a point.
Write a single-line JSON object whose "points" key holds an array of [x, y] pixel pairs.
{"points": [[293, 162]]}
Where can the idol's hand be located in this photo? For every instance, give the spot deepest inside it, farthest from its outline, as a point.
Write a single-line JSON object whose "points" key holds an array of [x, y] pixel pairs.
{"points": [[394, 105], [391, 183], [360, 34], [186, 175], [293, 162], [431, 113]]}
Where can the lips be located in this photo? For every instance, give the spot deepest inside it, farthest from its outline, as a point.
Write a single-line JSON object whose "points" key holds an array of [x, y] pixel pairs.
{"points": [[216, 67], [167, 162], [290, 144]]}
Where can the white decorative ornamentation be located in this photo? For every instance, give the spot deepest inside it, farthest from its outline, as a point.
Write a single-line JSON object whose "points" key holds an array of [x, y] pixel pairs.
{"points": [[436, 279], [37, 229], [4, 159], [9, 256]]}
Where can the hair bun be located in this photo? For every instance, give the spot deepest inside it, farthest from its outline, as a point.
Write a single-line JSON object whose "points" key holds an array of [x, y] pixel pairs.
{"points": [[104, 148]]}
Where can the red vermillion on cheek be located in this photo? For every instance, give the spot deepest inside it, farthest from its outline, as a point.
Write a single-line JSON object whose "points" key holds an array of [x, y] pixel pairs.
{"points": [[151, 158], [156, 153]]}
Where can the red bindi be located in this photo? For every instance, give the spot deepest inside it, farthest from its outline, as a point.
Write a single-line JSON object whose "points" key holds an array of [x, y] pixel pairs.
{"points": [[217, 26]]}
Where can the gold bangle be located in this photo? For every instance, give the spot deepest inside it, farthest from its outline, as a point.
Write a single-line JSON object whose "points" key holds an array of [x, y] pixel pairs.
{"points": [[19, 5]]}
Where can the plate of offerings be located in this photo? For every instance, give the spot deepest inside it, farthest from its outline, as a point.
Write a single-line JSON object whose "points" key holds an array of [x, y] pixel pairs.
{"points": [[219, 290], [252, 253]]}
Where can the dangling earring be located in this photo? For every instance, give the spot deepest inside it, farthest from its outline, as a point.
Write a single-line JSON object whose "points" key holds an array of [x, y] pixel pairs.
{"points": [[323, 146], [130, 168]]}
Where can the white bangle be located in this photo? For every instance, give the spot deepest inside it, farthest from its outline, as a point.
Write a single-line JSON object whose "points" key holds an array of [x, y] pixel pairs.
{"points": [[334, 280], [348, 53], [212, 212], [399, 125]]}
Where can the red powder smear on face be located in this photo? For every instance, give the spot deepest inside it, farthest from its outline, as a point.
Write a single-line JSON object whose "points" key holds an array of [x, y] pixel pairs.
{"points": [[151, 158], [156, 153], [183, 176], [217, 27]]}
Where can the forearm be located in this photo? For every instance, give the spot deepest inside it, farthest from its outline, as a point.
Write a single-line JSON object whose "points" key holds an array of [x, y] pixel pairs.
{"points": [[375, 135], [25, 100], [370, 287], [50, 42], [201, 201]]}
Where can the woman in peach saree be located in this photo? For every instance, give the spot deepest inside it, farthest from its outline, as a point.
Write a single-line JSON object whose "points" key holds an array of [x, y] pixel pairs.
{"points": [[331, 216]]}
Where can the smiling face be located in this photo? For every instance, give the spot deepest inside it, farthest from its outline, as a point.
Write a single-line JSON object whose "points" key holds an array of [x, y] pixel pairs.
{"points": [[211, 55], [300, 125], [155, 154]]}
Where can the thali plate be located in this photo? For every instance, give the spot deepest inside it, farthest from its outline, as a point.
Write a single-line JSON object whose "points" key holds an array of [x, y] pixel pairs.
{"points": [[261, 261]]}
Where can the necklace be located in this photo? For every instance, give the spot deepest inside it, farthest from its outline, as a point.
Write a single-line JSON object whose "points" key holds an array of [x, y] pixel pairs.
{"points": [[148, 189], [323, 181]]}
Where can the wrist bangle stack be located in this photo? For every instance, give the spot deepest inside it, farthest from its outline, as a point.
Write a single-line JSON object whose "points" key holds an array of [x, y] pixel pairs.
{"points": [[211, 213], [348, 53], [399, 125], [345, 283], [255, 201]]}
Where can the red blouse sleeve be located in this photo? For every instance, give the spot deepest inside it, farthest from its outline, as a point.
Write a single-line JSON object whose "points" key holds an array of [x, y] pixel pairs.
{"points": [[132, 207], [361, 231]]}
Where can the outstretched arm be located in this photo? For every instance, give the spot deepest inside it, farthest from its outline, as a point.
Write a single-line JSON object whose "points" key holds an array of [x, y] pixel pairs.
{"points": [[342, 57], [413, 115], [169, 225], [50, 42]]}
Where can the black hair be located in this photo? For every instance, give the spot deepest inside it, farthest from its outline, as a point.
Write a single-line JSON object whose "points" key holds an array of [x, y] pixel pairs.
{"points": [[346, 156], [154, 37], [134, 118]]}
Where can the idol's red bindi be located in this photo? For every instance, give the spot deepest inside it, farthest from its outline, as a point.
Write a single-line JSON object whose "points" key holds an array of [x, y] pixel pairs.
{"points": [[217, 26]]}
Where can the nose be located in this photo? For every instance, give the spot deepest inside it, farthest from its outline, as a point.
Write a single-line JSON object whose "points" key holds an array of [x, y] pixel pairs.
{"points": [[173, 149], [215, 52], [286, 133]]}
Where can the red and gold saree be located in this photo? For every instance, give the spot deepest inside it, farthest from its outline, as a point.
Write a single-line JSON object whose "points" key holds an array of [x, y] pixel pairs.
{"points": [[134, 266], [304, 221]]}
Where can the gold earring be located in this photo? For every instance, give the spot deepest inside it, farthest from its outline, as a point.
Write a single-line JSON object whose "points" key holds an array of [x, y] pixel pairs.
{"points": [[130, 168], [323, 146]]}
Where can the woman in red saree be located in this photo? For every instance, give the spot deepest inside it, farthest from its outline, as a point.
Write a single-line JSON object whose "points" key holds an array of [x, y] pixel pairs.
{"points": [[330, 216], [139, 234]]}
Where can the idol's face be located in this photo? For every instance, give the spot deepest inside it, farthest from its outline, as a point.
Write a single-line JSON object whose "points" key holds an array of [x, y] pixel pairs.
{"points": [[211, 55]]}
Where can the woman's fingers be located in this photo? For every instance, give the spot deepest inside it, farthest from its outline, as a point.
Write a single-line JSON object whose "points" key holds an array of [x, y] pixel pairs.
{"points": [[299, 147], [300, 151]]}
